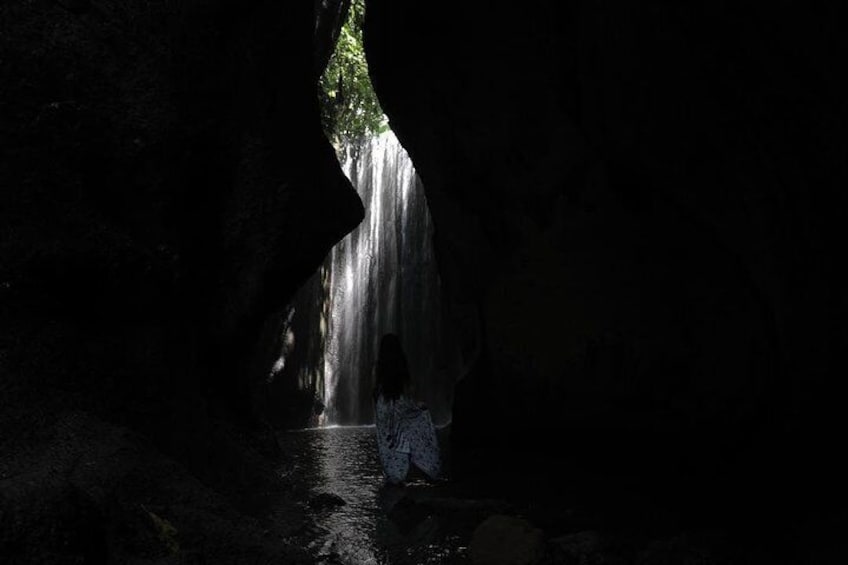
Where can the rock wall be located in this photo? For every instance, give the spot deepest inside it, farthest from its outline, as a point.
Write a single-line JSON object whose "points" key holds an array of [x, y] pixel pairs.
{"points": [[637, 211], [165, 186]]}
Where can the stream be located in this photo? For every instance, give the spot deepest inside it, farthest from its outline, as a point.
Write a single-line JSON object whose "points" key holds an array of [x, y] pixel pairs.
{"points": [[369, 523]]}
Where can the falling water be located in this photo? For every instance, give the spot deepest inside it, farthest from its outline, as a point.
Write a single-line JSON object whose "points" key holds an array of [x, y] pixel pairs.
{"points": [[381, 278]]}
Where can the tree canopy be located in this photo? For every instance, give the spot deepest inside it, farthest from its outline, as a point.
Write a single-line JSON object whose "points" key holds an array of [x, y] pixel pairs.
{"points": [[349, 106]]}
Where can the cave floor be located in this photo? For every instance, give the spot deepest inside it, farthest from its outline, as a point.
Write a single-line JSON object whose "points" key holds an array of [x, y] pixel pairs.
{"points": [[351, 517]]}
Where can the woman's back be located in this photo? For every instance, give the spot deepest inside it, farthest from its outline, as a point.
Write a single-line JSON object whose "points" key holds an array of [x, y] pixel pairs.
{"points": [[405, 430]]}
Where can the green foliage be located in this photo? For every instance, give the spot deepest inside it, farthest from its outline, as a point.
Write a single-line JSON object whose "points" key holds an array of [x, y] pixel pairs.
{"points": [[349, 106]]}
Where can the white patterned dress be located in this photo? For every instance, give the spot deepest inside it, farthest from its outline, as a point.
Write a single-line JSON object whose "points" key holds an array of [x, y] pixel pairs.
{"points": [[405, 433]]}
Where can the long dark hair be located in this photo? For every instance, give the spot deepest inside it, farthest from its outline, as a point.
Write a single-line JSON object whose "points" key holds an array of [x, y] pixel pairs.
{"points": [[392, 372]]}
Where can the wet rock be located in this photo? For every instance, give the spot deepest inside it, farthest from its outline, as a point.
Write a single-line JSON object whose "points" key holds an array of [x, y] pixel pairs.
{"points": [[332, 558], [683, 550], [326, 500], [581, 548], [505, 540], [446, 505], [404, 511]]}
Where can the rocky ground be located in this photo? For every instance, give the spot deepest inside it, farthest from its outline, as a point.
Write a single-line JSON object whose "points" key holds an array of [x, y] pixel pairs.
{"points": [[76, 489]]}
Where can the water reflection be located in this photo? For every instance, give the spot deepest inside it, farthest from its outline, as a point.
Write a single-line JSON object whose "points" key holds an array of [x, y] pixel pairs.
{"points": [[374, 525]]}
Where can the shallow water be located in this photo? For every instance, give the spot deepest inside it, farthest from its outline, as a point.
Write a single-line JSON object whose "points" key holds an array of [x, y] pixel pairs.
{"points": [[372, 526]]}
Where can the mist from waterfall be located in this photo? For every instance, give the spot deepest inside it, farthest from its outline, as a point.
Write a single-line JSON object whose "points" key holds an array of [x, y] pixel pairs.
{"points": [[381, 278]]}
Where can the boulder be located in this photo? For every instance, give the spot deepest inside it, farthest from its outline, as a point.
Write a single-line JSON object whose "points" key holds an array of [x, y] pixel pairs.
{"points": [[325, 500], [506, 540], [581, 548]]}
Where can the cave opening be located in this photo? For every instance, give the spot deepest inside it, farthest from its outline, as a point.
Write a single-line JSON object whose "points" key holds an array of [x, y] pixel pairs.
{"points": [[381, 278]]}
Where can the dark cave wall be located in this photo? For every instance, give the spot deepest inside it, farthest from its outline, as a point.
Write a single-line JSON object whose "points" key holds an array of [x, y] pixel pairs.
{"points": [[165, 188], [637, 211]]}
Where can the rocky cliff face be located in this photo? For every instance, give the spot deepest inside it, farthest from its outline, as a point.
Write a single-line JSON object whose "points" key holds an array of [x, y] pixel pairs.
{"points": [[165, 188], [637, 212]]}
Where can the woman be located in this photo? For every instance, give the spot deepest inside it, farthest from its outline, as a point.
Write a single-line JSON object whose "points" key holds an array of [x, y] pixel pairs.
{"points": [[405, 431]]}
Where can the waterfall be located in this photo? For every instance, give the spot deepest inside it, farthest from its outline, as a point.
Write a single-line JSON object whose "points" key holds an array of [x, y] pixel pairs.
{"points": [[381, 278]]}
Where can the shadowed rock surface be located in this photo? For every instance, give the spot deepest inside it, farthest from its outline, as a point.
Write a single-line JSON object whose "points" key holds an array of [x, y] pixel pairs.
{"points": [[166, 186], [637, 213]]}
